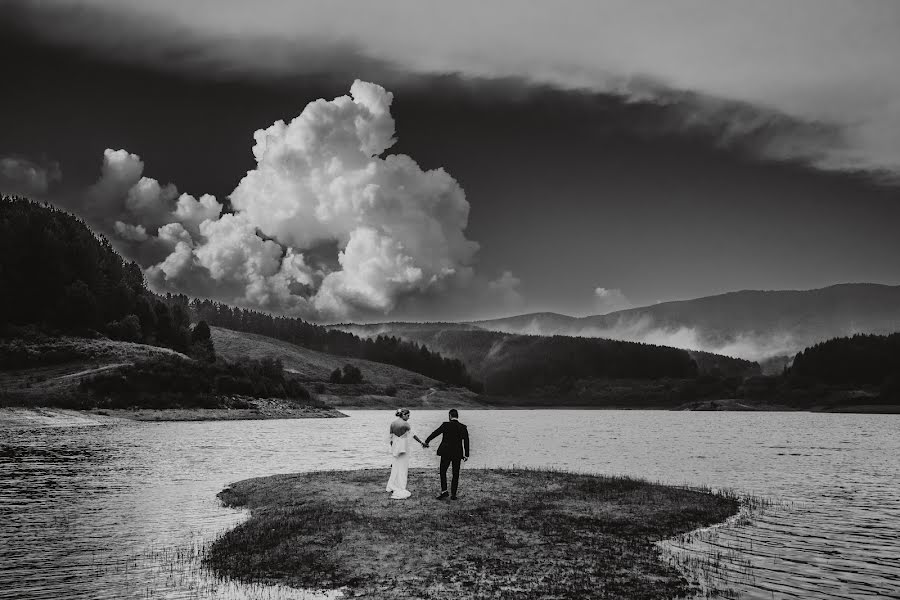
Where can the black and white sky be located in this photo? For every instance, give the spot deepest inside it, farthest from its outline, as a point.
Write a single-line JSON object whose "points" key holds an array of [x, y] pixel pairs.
{"points": [[408, 159]]}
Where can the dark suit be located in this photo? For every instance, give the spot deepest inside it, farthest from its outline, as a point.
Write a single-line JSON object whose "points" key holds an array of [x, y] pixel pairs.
{"points": [[454, 445]]}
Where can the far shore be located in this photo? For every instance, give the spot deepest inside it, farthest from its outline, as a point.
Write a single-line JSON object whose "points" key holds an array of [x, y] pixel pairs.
{"points": [[218, 414], [516, 534], [50, 414], [705, 406]]}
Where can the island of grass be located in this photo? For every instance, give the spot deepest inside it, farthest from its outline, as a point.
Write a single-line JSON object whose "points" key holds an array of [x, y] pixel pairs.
{"points": [[511, 534]]}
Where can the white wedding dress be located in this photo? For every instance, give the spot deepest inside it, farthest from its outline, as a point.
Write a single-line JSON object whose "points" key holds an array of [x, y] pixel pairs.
{"points": [[400, 448]]}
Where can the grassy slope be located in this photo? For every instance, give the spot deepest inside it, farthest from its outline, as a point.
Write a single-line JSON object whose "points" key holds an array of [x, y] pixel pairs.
{"points": [[53, 385], [44, 385], [309, 365], [412, 389], [517, 534]]}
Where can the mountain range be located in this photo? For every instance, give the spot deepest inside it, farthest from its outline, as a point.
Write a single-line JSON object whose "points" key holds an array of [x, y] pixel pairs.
{"points": [[751, 324]]}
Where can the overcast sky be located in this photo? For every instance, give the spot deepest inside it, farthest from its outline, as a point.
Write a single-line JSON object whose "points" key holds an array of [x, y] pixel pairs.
{"points": [[595, 154]]}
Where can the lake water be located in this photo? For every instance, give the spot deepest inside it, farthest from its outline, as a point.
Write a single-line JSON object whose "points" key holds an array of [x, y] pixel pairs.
{"points": [[121, 510]]}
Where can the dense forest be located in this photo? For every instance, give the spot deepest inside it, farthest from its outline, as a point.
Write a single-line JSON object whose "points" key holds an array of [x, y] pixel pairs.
{"points": [[859, 360], [384, 349], [67, 280], [518, 364], [838, 374]]}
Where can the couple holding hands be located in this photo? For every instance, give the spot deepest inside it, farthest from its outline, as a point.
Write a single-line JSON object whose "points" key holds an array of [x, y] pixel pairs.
{"points": [[454, 449]]}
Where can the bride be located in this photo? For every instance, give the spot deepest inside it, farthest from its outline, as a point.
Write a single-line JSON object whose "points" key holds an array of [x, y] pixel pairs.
{"points": [[401, 434]]}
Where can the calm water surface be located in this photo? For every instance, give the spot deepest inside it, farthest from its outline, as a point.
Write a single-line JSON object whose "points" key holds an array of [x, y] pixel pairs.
{"points": [[121, 510]]}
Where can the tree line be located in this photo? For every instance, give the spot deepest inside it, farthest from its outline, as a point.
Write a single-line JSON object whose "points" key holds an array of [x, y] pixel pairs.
{"points": [[529, 363], [857, 360]]}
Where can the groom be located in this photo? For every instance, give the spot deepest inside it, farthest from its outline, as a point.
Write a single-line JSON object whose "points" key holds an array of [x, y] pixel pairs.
{"points": [[453, 449]]}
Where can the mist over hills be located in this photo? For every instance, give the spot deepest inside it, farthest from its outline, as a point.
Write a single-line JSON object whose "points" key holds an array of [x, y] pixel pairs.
{"points": [[750, 324], [514, 363]]}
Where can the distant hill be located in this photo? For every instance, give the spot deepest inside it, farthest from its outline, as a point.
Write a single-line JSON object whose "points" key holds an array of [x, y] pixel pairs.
{"points": [[469, 343], [384, 386], [48, 372], [511, 364], [308, 365], [755, 325], [332, 340]]}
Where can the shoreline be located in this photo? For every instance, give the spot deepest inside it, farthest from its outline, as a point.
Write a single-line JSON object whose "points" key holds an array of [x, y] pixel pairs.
{"points": [[861, 410], [55, 415], [218, 414], [522, 533]]}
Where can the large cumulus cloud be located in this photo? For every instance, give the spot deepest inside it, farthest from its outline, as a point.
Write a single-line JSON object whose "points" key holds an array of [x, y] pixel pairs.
{"points": [[324, 226], [138, 212]]}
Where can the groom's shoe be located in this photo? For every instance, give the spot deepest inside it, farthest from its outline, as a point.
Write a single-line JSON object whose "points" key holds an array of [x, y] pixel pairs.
{"points": [[453, 497], [442, 495]]}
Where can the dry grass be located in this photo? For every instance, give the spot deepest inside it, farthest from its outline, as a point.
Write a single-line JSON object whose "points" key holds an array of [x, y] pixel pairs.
{"points": [[512, 534], [409, 388], [54, 384], [309, 365]]}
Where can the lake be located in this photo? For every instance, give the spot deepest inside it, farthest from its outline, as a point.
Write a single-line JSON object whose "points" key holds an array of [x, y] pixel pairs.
{"points": [[91, 508]]}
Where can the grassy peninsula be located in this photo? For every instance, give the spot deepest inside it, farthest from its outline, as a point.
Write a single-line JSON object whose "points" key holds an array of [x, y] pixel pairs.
{"points": [[517, 534]]}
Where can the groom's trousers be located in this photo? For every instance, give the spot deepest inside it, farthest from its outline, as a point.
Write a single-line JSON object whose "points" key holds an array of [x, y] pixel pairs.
{"points": [[446, 461]]}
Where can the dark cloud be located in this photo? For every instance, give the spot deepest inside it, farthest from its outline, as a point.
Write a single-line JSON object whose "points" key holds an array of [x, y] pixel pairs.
{"points": [[118, 34], [19, 175], [821, 90]]}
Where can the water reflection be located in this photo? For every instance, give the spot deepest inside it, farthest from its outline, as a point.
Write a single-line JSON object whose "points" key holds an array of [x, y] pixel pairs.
{"points": [[97, 510]]}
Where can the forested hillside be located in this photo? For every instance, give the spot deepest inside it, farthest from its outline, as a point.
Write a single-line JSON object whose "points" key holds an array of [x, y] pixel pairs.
{"points": [[58, 277], [509, 363], [856, 360]]}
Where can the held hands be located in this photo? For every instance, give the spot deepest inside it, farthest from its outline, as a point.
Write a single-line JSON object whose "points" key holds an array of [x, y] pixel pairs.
{"points": [[465, 459]]}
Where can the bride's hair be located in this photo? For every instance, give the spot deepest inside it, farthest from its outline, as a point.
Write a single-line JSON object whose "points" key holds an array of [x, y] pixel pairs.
{"points": [[401, 411]]}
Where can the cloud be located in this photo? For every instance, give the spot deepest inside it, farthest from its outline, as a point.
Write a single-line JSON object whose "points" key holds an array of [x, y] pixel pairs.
{"points": [[134, 211], [19, 175], [608, 300], [754, 346], [320, 184], [813, 80], [747, 345], [132, 233]]}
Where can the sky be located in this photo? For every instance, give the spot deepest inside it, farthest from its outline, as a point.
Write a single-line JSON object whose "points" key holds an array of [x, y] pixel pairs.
{"points": [[420, 160]]}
